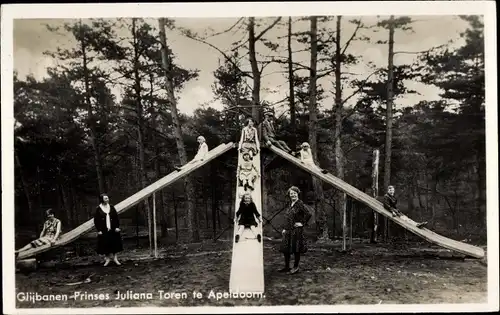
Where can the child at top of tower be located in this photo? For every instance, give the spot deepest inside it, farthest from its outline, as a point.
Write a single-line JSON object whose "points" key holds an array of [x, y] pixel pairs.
{"points": [[200, 155], [391, 202], [246, 217], [247, 172], [249, 140], [306, 157]]}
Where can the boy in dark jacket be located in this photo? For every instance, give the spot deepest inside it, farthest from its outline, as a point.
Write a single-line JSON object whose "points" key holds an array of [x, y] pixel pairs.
{"points": [[390, 203]]}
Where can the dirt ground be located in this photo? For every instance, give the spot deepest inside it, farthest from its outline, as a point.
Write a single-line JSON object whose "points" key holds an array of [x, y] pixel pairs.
{"points": [[367, 274]]}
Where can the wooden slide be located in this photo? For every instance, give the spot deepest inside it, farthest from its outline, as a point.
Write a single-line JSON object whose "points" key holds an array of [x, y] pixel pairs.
{"points": [[376, 205], [247, 263], [131, 201]]}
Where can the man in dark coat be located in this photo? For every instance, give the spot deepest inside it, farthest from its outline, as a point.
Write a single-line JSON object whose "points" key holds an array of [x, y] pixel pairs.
{"points": [[269, 133]]}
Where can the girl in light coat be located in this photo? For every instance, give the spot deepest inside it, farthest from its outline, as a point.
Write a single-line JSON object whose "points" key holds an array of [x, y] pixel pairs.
{"points": [[306, 157]]}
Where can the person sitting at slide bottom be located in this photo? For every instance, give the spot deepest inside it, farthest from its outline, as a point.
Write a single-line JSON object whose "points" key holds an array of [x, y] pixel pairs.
{"points": [[247, 172], [200, 155], [246, 217], [49, 235], [307, 158], [390, 203]]}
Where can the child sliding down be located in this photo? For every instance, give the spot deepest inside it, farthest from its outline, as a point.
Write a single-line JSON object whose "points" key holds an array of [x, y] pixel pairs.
{"points": [[307, 158], [390, 203], [200, 155], [247, 172], [246, 217]]}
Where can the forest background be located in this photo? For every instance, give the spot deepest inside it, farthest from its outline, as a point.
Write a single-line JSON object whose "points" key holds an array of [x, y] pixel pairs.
{"points": [[107, 117]]}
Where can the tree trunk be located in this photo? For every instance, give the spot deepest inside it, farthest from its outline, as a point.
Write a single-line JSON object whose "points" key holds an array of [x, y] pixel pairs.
{"points": [[91, 120], [339, 157], [255, 69], [26, 191], [388, 135], [164, 211], [75, 211], [140, 123], [66, 206], [291, 97], [481, 191], [374, 234], [214, 200], [313, 120], [188, 185]]}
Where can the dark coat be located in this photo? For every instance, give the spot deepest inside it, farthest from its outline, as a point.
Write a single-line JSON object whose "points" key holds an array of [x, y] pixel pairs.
{"points": [[390, 202], [248, 213], [268, 131], [109, 242], [294, 241]]}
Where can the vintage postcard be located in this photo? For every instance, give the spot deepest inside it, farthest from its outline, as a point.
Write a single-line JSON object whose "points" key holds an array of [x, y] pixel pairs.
{"points": [[282, 157]]}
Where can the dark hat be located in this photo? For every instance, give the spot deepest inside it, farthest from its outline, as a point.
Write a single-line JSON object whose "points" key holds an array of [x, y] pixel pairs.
{"points": [[268, 113]]}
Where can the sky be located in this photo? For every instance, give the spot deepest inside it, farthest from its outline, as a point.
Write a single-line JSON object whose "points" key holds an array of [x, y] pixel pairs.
{"points": [[32, 39]]}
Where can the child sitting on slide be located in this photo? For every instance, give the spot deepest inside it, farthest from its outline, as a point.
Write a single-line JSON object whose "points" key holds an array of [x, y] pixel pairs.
{"points": [[247, 173], [390, 203], [200, 155], [307, 158], [249, 141], [246, 217]]}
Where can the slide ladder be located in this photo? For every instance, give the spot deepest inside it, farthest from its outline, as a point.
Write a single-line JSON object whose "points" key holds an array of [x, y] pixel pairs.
{"points": [[247, 264], [131, 201], [376, 205]]}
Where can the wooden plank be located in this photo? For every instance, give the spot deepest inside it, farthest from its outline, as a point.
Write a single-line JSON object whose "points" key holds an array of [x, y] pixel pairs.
{"points": [[376, 205], [131, 201], [247, 264]]}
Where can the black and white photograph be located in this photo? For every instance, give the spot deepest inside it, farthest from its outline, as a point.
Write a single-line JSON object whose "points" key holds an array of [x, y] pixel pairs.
{"points": [[252, 157]]}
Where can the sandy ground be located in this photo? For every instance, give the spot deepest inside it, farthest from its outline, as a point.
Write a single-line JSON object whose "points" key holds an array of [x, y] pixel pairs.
{"points": [[368, 274]]}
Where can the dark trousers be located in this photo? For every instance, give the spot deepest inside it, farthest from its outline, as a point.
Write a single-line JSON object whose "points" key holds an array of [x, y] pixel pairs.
{"points": [[280, 144], [296, 260]]}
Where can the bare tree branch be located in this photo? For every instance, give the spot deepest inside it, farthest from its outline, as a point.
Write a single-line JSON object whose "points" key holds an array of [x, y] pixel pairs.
{"points": [[228, 30], [274, 72], [258, 37], [264, 65], [324, 74], [420, 52], [352, 95], [187, 33], [301, 66], [267, 29], [361, 87], [358, 26]]}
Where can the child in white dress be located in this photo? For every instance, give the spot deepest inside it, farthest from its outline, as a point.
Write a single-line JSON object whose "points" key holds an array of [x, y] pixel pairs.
{"points": [[247, 172], [200, 155], [306, 158]]}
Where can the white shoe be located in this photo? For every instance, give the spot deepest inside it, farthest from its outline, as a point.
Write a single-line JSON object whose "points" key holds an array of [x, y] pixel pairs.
{"points": [[107, 262]]}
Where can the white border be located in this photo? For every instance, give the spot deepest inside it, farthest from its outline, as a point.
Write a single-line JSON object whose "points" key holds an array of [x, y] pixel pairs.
{"points": [[211, 10]]}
